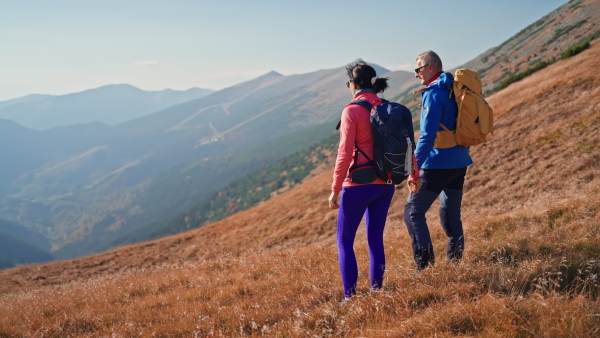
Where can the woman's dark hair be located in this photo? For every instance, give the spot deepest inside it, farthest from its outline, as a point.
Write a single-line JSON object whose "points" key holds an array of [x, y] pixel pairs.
{"points": [[363, 75]]}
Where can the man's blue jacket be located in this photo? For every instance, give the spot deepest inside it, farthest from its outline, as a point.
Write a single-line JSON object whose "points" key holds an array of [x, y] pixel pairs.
{"points": [[439, 106]]}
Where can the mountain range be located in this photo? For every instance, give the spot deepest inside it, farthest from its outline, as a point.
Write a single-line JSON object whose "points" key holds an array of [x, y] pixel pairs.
{"points": [[90, 187], [111, 104], [97, 174], [23, 99]]}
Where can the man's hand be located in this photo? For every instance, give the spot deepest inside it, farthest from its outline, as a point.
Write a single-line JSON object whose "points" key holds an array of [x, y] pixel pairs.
{"points": [[413, 185], [333, 201]]}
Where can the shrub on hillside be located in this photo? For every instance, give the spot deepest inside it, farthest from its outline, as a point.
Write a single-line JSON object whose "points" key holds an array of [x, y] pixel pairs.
{"points": [[574, 50], [578, 48], [522, 75]]}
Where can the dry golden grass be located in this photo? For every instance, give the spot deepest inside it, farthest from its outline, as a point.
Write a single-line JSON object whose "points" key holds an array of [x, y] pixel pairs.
{"points": [[529, 290], [532, 220]]}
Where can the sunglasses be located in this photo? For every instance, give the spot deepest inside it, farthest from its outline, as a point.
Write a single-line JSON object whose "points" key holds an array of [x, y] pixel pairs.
{"points": [[417, 70], [348, 84]]}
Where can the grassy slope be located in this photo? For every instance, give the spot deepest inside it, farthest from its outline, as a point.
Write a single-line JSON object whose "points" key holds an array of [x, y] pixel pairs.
{"points": [[532, 212]]}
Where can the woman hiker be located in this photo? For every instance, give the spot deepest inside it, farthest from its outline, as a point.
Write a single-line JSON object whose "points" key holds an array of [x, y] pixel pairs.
{"points": [[371, 199]]}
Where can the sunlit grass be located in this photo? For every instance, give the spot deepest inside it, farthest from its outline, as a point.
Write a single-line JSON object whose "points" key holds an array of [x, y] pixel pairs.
{"points": [[532, 275]]}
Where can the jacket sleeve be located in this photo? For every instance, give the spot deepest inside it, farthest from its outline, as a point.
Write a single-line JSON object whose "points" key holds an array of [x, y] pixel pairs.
{"points": [[431, 115], [345, 150]]}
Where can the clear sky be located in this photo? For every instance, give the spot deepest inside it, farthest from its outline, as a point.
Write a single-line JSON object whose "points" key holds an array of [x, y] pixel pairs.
{"points": [[65, 46]]}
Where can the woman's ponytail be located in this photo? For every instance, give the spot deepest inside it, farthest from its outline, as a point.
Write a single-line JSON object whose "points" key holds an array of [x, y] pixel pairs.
{"points": [[379, 84]]}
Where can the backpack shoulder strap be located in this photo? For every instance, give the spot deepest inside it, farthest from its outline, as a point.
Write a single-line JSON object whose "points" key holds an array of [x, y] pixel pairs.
{"points": [[364, 103], [421, 90], [444, 127]]}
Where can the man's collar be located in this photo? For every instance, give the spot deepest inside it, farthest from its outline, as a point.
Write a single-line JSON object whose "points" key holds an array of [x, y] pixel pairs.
{"points": [[433, 78]]}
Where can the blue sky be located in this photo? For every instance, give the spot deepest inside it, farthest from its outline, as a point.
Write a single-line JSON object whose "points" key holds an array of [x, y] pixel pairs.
{"points": [[60, 47]]}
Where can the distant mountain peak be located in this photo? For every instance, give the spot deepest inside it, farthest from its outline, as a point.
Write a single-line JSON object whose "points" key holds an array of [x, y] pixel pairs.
{"points": [[271, 74]]}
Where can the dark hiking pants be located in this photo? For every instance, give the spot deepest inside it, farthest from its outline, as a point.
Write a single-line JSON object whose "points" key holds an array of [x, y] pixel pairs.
{"points": [[435, 182]]}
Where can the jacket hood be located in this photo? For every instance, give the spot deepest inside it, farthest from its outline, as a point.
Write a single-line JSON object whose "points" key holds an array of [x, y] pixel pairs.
{"points": [[445, 80]]}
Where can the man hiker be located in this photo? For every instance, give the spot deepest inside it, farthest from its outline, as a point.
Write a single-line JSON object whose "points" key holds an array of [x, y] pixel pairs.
{"points": [[442, 170]]}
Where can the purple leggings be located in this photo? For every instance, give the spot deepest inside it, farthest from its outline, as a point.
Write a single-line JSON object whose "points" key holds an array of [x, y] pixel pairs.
{"points": [[372, 200]]}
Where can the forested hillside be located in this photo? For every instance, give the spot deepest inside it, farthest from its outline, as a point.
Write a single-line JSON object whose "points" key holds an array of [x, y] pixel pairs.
{"points": [[160, 209], [20, 247], [260, 186]]}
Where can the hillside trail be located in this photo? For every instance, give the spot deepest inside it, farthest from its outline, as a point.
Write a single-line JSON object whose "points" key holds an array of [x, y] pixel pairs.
{"points": [[544, 153]]}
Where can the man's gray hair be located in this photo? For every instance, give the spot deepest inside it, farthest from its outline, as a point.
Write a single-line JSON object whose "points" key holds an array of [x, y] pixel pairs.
{"points": [[430, 57]]}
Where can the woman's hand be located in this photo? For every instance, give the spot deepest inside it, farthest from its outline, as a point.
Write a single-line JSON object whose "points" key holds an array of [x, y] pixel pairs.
{"points": [[333, 201]]}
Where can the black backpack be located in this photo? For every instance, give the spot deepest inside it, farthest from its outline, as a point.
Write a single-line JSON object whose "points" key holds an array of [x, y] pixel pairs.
{"points": [[393, 138]]}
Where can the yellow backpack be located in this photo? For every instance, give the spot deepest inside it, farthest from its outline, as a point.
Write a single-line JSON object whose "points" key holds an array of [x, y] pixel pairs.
{"points": [[475, 118]]}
